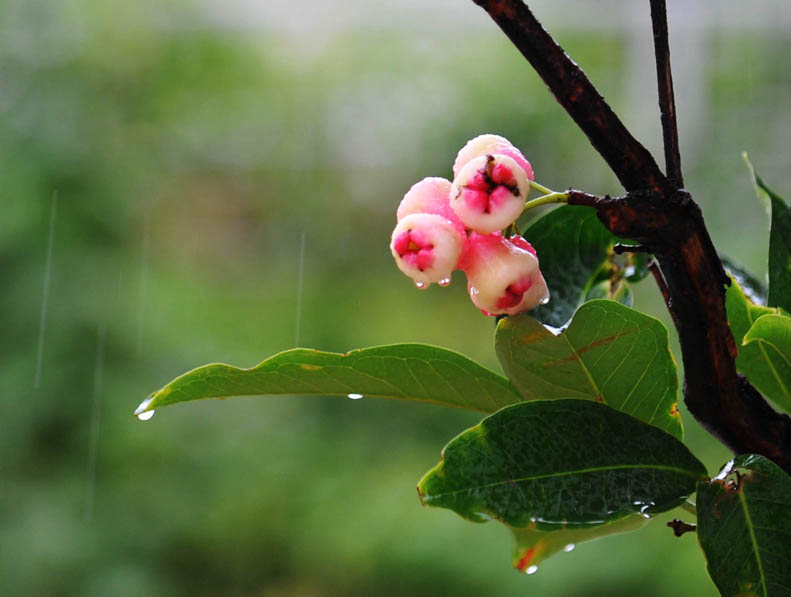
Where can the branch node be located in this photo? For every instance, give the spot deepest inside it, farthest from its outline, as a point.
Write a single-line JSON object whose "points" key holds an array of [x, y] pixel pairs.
{"points": [[680, 527]]}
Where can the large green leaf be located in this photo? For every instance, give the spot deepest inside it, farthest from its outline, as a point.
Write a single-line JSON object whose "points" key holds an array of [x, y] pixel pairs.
{"points": [[534, 546], [772, 335], [558, 464], [779, 243], [403, 371], [761, 362], [744, 527], [609, 353], [576, 254]]}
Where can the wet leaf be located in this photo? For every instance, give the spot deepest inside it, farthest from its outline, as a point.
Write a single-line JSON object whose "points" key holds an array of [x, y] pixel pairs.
{"points": [[744, 527], [402, 371], [762, 363], [534, 546], [551, 465], [609, 353], [575, 251], [779, 243]]}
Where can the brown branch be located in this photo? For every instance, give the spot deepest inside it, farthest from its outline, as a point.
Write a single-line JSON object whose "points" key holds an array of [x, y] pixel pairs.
{"points": [[670, 223], [629, 160], [667, 102], [664, 219]]}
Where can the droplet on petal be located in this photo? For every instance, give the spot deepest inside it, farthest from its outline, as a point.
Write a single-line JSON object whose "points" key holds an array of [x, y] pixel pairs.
{"points": [[426, 247]]}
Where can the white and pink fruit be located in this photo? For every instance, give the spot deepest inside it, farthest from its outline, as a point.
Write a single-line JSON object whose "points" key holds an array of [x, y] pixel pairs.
{"points": [[489, 193], [427, 248], [503, 276], [490, 145], [429, 196]]}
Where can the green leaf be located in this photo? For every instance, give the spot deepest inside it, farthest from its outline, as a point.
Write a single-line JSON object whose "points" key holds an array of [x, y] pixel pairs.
{"points": [[609, 353], [744, 527], [772, 335], [556, 464], [534, 546], [403, 371], [779, 243], [575, 250], [762, 363]]}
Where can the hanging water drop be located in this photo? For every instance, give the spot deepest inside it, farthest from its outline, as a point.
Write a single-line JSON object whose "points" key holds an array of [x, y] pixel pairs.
{"points": [[569, 547], [141, 412], [444, 282], [544, 300], [532, 570], [420, 285], [354, 396], [146, 415]]}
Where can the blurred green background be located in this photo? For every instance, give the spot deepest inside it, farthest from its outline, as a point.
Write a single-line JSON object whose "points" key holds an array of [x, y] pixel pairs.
{"points": [[203, 154]]}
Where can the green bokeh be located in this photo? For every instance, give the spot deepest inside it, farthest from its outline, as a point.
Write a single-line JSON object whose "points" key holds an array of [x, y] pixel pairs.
{"points": [[189, 161]]}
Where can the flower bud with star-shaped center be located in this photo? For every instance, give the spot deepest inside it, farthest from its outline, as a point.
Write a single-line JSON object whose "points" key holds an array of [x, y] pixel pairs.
{"points": [[427, 248], [503, 276], [489, 193]]}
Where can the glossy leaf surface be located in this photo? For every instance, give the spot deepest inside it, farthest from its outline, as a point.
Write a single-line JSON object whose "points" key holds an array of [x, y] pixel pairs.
{"points": [[575, 251], [779, 244], [772, 334], [555, 464], [759, 360], [609, 353], [744, 527], [403, 371]]}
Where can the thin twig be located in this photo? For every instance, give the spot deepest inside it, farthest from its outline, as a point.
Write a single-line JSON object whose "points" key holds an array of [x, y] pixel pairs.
{"points": [[667, 102], [629, 160]]}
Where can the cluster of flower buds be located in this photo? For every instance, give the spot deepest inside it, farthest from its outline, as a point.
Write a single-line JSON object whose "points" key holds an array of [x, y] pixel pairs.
{"points": [[444, 226]]}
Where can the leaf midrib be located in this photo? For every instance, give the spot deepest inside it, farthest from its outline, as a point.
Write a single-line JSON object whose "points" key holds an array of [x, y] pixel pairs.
{"points": [[753, 539], [582, 471]]}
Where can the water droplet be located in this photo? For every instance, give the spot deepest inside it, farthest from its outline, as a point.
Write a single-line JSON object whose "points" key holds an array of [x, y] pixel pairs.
{"points": [[141, 412], [569, 547], [420, 285], [532, 570], [544, 300], [354, 396], [444, 282]]}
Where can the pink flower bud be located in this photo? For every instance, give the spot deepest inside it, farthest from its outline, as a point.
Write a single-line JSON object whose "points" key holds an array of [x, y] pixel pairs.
{"points": [[426, 247], [503, 276], [429, 196], [490, 145], [489, 193]]}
